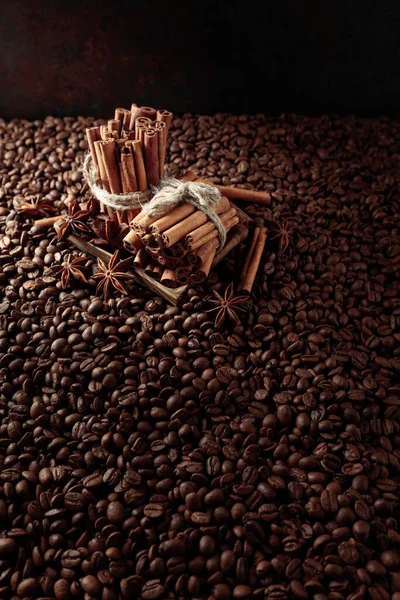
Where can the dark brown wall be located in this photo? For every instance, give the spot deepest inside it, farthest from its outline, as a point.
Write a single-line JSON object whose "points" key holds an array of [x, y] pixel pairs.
{"points": [[205, 56]]}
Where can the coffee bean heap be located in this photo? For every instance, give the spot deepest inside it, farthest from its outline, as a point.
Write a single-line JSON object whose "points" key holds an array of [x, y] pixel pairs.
{"points": [[147, 454]]}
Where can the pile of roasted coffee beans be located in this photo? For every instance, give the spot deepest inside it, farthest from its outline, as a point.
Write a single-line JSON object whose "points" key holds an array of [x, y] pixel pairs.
{"points": [[146, 454]]}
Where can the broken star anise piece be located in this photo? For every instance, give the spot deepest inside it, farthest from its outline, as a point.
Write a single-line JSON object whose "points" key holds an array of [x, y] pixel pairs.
{"points": [[112, 275], [71, 267], [111, 233], [74, 221], [33, 206], [228, 305]]}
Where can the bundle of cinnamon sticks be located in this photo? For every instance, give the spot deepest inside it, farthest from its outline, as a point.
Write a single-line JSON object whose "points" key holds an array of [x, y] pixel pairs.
{"points": [[180, 246], [129, 152]]}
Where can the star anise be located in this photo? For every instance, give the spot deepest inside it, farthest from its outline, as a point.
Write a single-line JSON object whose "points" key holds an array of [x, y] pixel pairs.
{"points": [[111, 233], [228, 305], [111, 275], [71, 267], [33, 206], [283, 232], [75, 221]]}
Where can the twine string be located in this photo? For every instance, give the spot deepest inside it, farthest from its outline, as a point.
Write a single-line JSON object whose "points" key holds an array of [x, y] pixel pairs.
{"points": [[160, 200]]}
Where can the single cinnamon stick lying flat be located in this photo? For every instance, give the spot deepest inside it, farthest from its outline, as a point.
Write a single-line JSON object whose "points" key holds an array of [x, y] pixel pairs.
{"points": [[254, 262], [45, 223], [254, 239], [238, 234], [232, 193]]}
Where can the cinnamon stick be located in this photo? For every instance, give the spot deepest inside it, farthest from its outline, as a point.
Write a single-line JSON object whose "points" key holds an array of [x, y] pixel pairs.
{"points": [[127, 171], [238, 234], [254, 262], [168, 278], [162, 144], [249, 255], [46, 222], [114, 125], [103, 132], [147, 111], [151, 159], [198, 218], [141, 123], [134, 114], [158, 270], [175, 216], [251, 196], [183, 274], [141, 223], [93, 135], [166, 116], [132, 243], [202, 272], [111, 165], [124, 117], [200, 232], [140, 258], [213, 234], [102, 169], [139, 165]]}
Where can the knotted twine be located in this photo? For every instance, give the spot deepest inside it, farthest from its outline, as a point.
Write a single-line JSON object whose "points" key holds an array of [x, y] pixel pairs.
{"points": [[160, 200]]}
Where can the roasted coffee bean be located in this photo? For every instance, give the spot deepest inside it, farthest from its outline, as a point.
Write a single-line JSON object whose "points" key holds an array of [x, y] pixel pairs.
{"points": [[147, 452]]}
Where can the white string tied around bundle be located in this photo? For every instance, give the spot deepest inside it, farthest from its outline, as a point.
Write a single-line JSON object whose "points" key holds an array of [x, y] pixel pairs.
{"points": [[160, 200]]}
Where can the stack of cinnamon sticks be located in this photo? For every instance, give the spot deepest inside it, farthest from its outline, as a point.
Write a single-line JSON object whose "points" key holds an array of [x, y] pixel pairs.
{"points": [[129, 152], [180, 246]]}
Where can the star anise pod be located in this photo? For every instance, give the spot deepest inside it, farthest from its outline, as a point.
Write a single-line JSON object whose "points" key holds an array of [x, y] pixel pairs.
{"points": [[111, 233], [74, 221], [112, 274], [283, 232], [34, 206], [71, 267], [228, 305]]}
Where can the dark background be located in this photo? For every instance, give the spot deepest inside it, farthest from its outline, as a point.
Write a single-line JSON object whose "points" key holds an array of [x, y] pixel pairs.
{"points": [[272, 56]]}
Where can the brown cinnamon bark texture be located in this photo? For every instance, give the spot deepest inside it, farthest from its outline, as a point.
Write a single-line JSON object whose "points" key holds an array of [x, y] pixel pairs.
{"points": [[111, 165], [254, 262], [198, 218], [134, 114], [128, 174], [151, 160], [249, 255], [175, 216], [93, 135], [140, 170]]}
